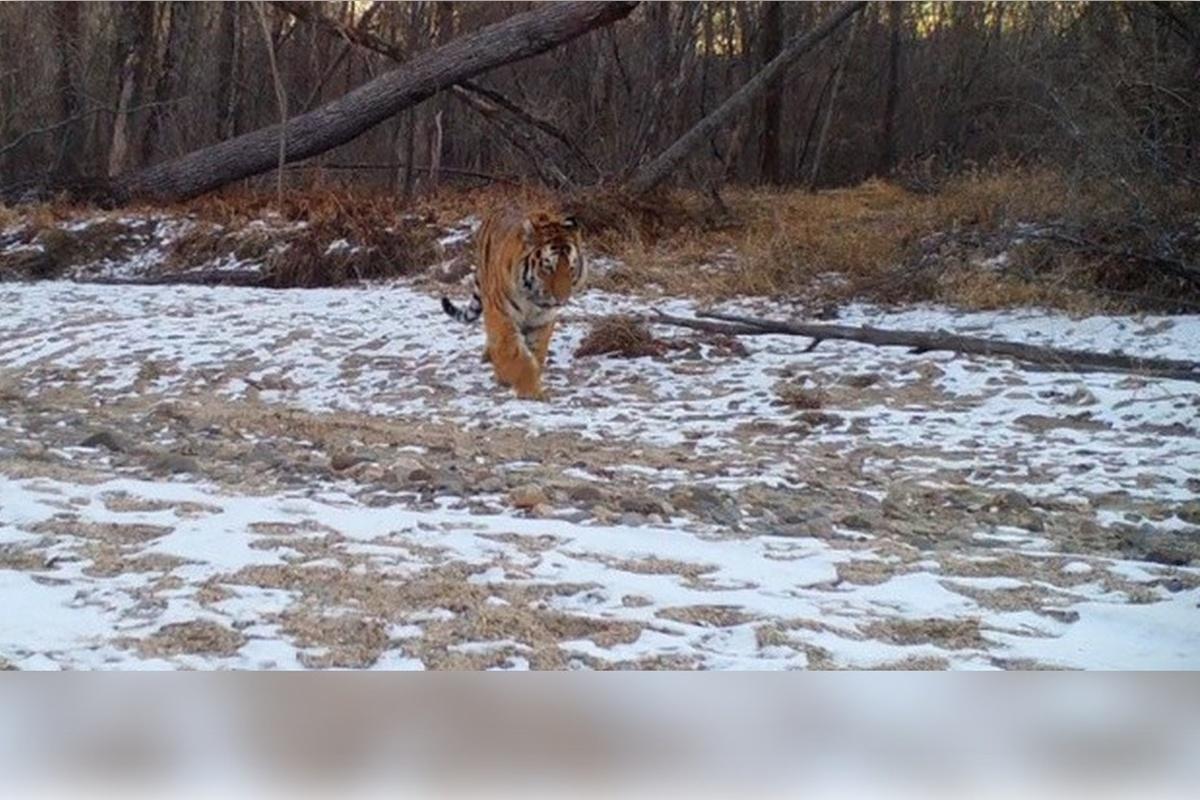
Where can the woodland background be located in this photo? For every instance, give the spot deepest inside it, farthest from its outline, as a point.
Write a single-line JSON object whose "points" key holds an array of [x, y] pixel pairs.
{"points": [[925, 88]]}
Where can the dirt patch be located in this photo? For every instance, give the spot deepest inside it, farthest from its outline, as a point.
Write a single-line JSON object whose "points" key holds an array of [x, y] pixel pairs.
{"points": [[197, 637], [1040, 424], [123, 502], [951, 634], [707, 616], [110, 532], [344, 641]]}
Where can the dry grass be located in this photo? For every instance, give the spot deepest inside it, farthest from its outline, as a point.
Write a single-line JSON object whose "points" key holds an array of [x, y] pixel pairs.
{"points": [[878, 240], [884, 243], [795, 394], [620, 336]]}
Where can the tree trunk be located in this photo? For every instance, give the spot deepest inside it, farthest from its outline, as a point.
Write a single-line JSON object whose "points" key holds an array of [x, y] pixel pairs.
{"points": [[770, 146], [513, 39], [887, 124], [928, 341], [658, 170], [823, 137], [178, 15], [483, 100], [227, 70], [66, 39]]}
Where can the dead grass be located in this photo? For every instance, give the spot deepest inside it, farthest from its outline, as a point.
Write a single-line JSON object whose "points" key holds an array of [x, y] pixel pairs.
{"points": [[877, 241], [882, 242], [620, 336], [802, 398], [198, 637]]}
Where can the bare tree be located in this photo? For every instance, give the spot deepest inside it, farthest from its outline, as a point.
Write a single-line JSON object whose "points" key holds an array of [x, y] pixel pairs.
{"points": [[338, 122], [658, 170]]}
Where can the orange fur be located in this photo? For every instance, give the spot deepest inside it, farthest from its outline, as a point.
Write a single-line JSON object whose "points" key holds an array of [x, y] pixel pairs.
{"points": [[518, 318]]}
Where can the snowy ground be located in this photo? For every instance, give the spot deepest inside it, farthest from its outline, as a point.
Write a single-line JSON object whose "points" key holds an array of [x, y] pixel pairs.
{"points": [[196, 477]]}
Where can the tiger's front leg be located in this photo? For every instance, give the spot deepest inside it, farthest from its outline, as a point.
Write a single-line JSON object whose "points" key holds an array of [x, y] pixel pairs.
{"points": [[539, 343], [511, 359]]}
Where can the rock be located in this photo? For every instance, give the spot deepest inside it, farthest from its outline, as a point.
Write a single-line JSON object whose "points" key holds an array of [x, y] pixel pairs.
{"points": [[446, 482], [602, 513], [527, 496], [105, 440], [642, 503], [584, 494], [490, 485], [344, 460], [1161, 547], [367, 472], [632, 519], [174, 463], [857, 522], [404, 466], [418, 475], [1189, 513], [1015, 509], [707, 503]]}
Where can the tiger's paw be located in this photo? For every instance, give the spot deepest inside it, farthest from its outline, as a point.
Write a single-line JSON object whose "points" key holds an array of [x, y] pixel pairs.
{"points": [[539, 394]]}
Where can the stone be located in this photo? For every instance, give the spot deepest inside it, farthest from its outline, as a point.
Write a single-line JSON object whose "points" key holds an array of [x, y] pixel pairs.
{"points": [[105, 440], [527, 496], [707, 503], [584, 494], [174, 463], [641, 503], [344, 460]]}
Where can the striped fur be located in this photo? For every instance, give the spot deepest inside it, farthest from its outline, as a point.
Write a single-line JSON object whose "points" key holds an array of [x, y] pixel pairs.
{"points": [[528, 267]]}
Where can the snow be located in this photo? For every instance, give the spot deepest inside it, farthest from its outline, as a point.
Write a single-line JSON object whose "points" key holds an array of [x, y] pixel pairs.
{"points": [[388, 351]]}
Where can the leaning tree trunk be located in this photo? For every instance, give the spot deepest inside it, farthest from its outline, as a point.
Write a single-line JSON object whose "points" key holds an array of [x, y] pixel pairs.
{"points": [[650, 175], [823, 137], [516, 38]]}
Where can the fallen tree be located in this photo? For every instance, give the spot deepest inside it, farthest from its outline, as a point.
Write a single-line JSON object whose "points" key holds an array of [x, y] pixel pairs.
{"points": [[521, 36], [927, 341], [487, 102]]}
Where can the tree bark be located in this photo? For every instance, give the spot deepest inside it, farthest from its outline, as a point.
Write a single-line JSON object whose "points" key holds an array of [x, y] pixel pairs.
{"points": [[342, 120], [476, 97], [652, 174], [887, 124], [823, 137], [228, 69], [66, 39], [136, 24], [769, 144], [926, 341]]}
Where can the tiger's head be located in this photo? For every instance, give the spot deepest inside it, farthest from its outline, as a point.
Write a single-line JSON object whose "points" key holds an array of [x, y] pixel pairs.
{"points": [[554, 263]]}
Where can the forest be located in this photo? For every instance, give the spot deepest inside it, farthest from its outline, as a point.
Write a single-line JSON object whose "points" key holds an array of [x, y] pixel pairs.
{"points": [[880, 348], [926, 89]]}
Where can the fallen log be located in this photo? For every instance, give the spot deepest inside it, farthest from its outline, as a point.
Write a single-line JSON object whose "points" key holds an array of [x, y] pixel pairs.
{"points": [[928, 341], [542, 28], [227, 277]]}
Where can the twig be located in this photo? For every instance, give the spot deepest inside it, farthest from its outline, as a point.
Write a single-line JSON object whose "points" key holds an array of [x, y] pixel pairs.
{"points": [[280, 99], [467, 173], [84, 115]]}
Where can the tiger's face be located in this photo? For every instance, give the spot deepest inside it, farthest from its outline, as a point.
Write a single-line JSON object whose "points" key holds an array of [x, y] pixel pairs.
{"points": [[554, 268]]}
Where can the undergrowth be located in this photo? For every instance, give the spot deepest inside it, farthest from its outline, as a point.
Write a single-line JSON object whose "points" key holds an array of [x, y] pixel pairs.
{"points": [[987, 239]]}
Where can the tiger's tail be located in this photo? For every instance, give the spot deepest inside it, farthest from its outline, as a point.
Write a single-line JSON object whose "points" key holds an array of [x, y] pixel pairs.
{"points": [[468, 314]]}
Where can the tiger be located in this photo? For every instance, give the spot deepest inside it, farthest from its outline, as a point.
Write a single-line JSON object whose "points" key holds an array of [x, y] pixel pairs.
{"points": [[528, 266]]}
